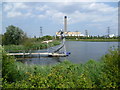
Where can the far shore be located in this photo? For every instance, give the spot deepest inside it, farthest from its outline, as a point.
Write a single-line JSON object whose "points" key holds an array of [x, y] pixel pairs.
{"points": [[95, 40]]}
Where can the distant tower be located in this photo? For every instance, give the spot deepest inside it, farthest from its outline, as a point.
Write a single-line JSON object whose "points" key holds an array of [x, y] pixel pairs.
{"points": [[86, 33], [41, 34], [108, 31], [65, 24]]}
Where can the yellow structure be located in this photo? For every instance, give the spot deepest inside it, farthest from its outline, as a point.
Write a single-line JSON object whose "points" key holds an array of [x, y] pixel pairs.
{"points": [[69, 33]]}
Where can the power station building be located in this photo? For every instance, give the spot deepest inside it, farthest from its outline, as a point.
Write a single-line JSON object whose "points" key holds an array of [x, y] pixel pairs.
{"points": [[68, 33]]}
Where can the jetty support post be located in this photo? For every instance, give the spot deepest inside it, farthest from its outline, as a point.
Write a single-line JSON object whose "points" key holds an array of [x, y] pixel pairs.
{"points": [[39, 55], [24, 54]]}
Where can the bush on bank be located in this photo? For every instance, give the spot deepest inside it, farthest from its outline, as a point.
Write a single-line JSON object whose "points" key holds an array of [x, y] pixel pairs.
{"points": [[93, 74], [29, 46]]}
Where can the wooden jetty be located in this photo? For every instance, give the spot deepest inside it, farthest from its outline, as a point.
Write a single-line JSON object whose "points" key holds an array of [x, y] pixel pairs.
{"points": [[53, 54], [46, 54]]}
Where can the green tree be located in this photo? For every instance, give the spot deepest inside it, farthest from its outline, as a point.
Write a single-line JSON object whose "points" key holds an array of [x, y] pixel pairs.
{"points": [[13, 35]]}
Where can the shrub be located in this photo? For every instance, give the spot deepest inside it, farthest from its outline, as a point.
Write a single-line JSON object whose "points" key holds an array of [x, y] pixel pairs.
{"points": [[93, 74], [8, 68], [111, 72]]}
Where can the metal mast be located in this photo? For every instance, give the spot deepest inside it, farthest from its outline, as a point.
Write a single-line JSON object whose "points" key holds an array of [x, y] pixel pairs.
{"points": [[86, 33], [108, 30], [41, 34]]}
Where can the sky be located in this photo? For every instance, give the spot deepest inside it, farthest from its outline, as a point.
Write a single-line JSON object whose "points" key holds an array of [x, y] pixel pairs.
{"points": [[30, 16]]}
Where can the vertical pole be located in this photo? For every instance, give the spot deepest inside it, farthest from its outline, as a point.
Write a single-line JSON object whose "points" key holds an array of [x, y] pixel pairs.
{"points": [[47, 47], [65, 30], [41, 32], [86, 33], [39, 55], [108, 32], [55, 37]]}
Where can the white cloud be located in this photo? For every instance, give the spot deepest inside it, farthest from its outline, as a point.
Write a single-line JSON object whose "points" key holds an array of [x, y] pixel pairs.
{"points": [[86, 12], [101, 7], [29, 14], [7, 7], [19, 6], [14, 6], [14, 14], [41, 16], [13, 9], [42, 8]]}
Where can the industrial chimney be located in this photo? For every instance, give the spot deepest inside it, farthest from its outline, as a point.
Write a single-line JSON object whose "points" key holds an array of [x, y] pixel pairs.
{"points": [[65, 24]]}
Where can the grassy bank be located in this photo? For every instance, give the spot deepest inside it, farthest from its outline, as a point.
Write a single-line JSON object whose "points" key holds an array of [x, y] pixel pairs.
{"points": [[93, 74], [29, 46], [96, 40]]}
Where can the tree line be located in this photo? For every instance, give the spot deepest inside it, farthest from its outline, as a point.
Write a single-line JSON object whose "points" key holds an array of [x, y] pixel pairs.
{"points": [[16, 36]]}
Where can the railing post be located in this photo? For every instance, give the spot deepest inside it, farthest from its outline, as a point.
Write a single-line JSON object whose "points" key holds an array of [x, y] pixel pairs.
{"points": [[39, 55], [30, 53], [24, 54]]}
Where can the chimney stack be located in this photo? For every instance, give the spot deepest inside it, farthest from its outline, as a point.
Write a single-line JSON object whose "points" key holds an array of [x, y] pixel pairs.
{"points": [[65, 24]]}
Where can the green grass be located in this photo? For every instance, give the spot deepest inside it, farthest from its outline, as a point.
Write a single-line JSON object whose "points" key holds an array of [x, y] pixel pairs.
{"points": [[96, 40], [27, 46], [13, 47]]}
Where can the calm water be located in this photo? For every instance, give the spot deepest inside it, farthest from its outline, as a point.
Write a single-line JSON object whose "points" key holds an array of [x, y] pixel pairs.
{"points": [[81, 52]]}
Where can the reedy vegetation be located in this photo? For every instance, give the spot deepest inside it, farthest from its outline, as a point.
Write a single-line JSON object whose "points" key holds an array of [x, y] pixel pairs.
{"points": [[29, 45], [93, 74]]}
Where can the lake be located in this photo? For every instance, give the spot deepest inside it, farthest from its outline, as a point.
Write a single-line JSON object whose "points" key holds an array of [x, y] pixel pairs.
{"points": [[81, 52]]}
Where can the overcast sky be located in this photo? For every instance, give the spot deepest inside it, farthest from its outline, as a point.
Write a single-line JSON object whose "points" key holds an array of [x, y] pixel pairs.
{"points": [[92, 16]]}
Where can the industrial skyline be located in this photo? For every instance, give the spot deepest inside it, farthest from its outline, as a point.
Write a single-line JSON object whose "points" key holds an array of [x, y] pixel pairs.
{"points": [[94, 17]]}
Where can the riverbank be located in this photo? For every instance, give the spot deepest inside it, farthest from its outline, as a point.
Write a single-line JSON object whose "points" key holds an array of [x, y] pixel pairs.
{"points": [[93, 74], [95, 40], [27, 47]]}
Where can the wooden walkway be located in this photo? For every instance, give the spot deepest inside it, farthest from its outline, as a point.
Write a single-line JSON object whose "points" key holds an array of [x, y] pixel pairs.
{"points": [[46, 54]]}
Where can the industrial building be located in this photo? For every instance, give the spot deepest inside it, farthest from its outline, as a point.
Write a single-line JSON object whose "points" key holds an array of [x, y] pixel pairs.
{"points": [[68, 33]]}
